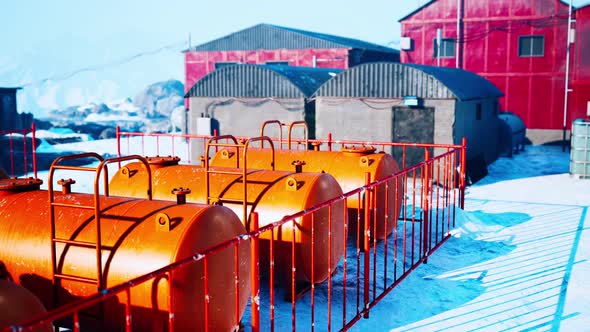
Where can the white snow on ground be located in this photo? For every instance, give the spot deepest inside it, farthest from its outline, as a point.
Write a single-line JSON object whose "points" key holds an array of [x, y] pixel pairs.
{"points": [[519, 259]]}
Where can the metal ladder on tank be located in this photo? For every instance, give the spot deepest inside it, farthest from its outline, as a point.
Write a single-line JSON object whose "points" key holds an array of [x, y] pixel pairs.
{"points": [[57, 275], [241, 171]]}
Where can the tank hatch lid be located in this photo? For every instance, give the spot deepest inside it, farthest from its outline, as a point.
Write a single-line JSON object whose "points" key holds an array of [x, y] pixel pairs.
{"points": [[163, 160], [358, 150], [20, 184]]}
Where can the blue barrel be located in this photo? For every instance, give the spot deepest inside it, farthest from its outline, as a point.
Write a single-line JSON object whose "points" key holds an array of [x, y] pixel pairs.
{"points": [[580, 152], [512, 133]]}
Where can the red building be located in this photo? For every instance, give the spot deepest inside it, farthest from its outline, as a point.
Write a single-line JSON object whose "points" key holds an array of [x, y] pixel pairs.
{"points": [[271, 44], [519, 45]]}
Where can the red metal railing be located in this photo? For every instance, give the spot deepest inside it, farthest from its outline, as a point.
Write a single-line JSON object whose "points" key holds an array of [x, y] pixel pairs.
{"points": [[29, 150], [369, 270], [157, 144]]}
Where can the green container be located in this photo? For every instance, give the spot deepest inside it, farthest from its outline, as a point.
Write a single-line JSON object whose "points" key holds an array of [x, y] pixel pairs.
{"points": [[580, 152]]}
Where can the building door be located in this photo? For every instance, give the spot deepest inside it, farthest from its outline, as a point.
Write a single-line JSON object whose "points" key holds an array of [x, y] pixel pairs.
{"points": [[412, 125]]}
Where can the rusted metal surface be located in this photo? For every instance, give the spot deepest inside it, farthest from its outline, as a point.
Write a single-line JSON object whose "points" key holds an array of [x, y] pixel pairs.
{"points": [[9, 186], [133, 244]]}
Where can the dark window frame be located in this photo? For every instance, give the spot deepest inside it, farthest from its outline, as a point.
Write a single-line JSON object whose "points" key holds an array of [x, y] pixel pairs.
{"points": [[444, 55], [531, 52]]}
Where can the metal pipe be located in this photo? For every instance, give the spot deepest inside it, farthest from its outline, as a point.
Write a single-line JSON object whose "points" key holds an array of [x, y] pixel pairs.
{"points": [[366, 249], [463, 173], [438, 45], [426, 226], [457, 41], [26, 170], [33, 130], [567, 72], [255, 273]]}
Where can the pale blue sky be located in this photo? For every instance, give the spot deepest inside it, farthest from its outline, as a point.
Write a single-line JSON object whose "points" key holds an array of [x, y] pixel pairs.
{"points": [[55, 39]]}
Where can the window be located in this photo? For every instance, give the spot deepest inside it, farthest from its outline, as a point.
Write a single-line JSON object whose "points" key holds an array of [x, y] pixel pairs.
{"points": [[224, 64], [478, 111], [278, 63], [530, 46], [447, 48]]}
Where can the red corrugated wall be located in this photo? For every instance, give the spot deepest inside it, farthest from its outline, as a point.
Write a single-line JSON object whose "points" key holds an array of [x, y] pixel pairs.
{"points": [[581, 70], [534, 86], [199, 64]]}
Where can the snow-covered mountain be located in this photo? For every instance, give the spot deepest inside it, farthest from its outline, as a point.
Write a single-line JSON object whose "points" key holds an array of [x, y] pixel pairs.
{"points": [[58, 81]]}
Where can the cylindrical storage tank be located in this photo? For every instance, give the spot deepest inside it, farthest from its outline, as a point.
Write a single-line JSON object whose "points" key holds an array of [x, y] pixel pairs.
{"points": [[580, 149], [17, 305], [349, 167], [138, 237], [512, 133], [273, 194]]}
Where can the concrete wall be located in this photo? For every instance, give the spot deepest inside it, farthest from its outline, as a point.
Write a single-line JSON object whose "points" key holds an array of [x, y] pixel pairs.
{"points": [[242, 117], [352, 119], [372, 119], [444, 120], [482, 135]]}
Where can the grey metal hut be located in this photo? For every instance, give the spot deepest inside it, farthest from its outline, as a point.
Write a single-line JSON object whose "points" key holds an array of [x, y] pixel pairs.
{"points": [[395, 102], [237, 99]]}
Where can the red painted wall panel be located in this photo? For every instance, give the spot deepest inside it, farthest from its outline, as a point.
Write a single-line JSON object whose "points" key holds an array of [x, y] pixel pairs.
{"points": [[580, 95], [491, 29], [522, 7], [539, 97], [518, 101], [477, 47], [472, 9]]}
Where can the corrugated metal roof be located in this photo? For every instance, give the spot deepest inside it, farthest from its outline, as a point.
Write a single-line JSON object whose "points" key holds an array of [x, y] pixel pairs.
{"points": [[396, 80], [262, 81], [271, 37]]}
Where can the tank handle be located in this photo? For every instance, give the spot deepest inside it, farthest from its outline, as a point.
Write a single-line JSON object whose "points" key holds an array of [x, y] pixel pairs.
{"points": [[280, 124], [305, 129], [57, 165], [214, 141], [261, 139], [104, 163]]}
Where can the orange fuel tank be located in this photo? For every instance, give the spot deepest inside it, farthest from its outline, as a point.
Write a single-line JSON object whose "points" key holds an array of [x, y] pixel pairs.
{"points": [[273, 194], [138, 237], [349, 168]]}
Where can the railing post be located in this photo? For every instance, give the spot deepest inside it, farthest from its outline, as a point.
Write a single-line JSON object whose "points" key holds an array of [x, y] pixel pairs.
{"points": [[329, 141], [11, 149], [463, 172], [366, 245], [34, 148], [426, 207], [118, 134], [255, 272]]}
